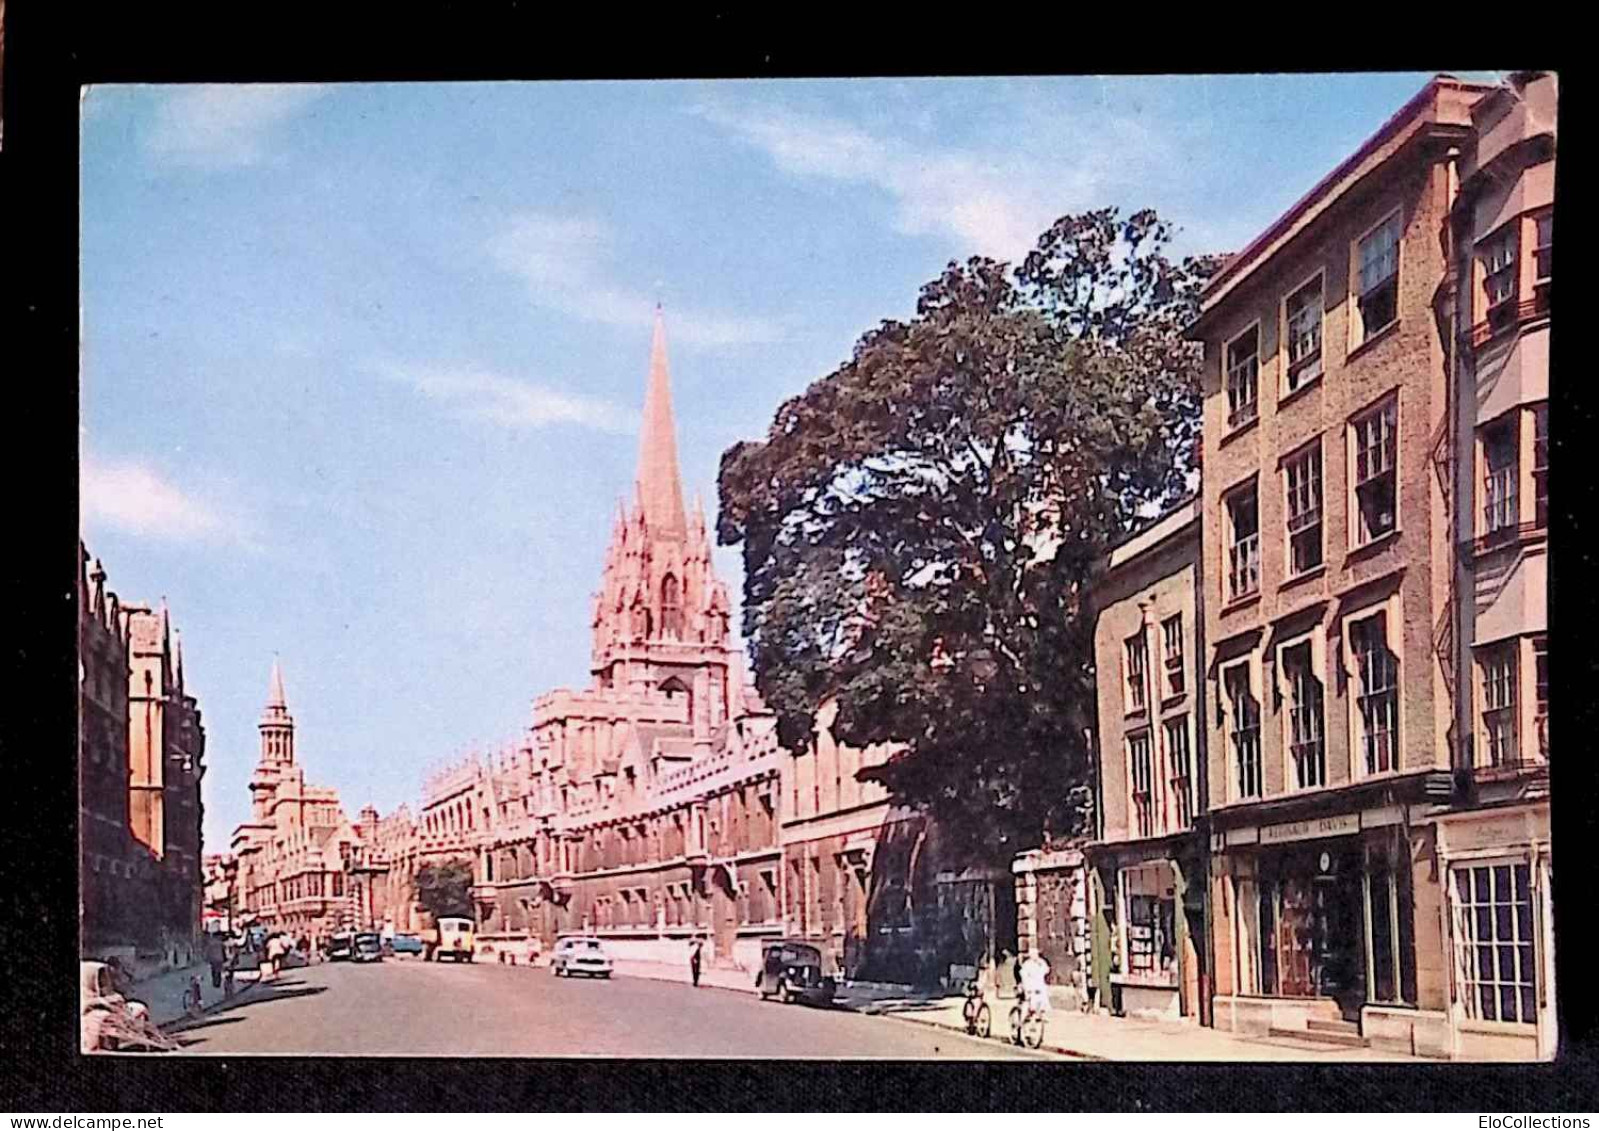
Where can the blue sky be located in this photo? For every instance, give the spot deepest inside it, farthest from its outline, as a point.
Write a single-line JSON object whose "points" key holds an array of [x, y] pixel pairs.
{"points": [[362, 364]]}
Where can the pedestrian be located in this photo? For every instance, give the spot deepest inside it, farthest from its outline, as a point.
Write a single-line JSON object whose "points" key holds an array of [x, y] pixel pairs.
{"points": [[694, 959], [215, 957]]}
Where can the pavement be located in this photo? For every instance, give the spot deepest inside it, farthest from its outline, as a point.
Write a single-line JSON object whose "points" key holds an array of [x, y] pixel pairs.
{"points": [[163, 993], [413, 1008]]}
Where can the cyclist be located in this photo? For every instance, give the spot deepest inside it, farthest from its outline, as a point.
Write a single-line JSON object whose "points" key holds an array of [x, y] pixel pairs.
{"points": [[1033, 987]]}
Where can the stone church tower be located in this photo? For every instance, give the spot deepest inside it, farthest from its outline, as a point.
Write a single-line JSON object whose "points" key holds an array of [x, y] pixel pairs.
{"points": [[661, 615]]}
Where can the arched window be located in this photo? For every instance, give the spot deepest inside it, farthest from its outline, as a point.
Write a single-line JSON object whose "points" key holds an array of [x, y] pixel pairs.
{"points": [[675, 688], [641, 623], [671, 607]]}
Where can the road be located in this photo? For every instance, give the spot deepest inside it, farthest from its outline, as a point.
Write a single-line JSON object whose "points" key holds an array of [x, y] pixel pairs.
{"points": [[412, 1008]]}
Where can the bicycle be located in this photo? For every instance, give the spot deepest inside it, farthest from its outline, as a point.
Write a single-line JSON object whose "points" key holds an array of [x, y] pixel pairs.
{"points": [[1026, 1024], [979, 1018]]}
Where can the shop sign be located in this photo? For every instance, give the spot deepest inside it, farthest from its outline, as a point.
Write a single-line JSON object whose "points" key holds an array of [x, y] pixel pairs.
{"points": [[1311, 829], [1467, 835]]}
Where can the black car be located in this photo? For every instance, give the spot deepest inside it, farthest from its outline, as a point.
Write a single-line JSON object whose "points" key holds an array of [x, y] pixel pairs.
{"points": [[368, 947], [792, 971], [341, 947]]}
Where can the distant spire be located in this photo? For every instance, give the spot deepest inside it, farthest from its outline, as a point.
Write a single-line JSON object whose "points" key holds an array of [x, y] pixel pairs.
{"points": [[660, 489], [275, 696], [177, 659]]}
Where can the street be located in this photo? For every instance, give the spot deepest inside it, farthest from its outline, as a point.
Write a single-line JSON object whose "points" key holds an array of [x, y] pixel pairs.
{"points": [[412, 1008]]}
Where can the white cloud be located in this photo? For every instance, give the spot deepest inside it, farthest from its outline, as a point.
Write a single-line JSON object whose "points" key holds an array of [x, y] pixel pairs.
{"points": [[134, 498], [565, 262], [223, 126], [512, 403], [987, 200]]}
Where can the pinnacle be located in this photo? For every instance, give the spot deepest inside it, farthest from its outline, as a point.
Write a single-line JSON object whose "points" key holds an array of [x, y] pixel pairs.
{"points": [[275, 696], [659, 486]]}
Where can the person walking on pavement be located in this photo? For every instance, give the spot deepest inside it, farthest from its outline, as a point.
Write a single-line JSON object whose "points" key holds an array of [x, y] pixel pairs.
{"points": [[214, 958], [694, 958]]}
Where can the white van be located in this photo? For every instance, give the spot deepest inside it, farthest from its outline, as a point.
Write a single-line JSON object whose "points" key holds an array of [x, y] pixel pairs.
{"points": [[455, 940]]}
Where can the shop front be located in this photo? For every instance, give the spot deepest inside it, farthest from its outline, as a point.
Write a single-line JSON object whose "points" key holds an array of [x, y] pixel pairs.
{"points": [[1149, 928], [1320, 919], [1498, 868]]}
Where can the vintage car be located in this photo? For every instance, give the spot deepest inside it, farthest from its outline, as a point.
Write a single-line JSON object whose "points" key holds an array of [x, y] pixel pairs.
{"points": [[368, 947], [792, 971], [579, 954], [341, 946]]}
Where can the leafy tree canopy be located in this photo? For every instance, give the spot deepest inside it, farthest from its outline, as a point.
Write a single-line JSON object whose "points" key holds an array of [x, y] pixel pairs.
{"points": [[445, 890], [919, 526]]}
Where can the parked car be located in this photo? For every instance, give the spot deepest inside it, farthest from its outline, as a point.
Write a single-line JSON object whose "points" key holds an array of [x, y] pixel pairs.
{"points": [[792, 971], [341, 946], [455, 940], [580, 955], [368, 947], [405, 944]]}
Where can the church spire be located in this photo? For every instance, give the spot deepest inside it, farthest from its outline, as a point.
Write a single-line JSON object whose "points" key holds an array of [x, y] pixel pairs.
{"points": [[275, 696], [660, 489]]}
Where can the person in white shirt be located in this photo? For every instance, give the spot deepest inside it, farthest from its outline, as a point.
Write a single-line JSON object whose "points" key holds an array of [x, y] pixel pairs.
{"points": [[1035, 983]]}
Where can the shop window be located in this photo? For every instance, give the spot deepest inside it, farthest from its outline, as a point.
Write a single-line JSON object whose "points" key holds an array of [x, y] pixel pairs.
{"points": [[1388, 907], [1243, 729], [1151, 935], [1180, 759], [1304, 309], [1501, 270], [1540, 465], [1243, 377], [1377, 698], [1171, 631], [1140, 766], [1500, 471], [1376, 473], [1500, 741], [1302, 478], [1494, 951], [1306, 722], [1136, 652], [1243, 543], [1377, 285]]}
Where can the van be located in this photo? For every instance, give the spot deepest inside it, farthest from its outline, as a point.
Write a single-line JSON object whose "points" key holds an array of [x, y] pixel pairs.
{"points": [[455, 940]]}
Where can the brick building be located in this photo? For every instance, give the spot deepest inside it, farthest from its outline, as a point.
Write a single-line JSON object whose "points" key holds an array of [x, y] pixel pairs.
{"points": [[141, 748], [1328, 559], [1494, 850], [1148, 859]]}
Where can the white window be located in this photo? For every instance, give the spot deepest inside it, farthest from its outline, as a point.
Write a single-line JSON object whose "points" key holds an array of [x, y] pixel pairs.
{"points": [[1494, 950], [1376, 672], [1500, 471], [1302, 480], [1377, 281], [1500, 741], [1141, 769], [1171, 631], [1243, 729], [1375, 441], [1135, 666], [1243, 549], [1304, 310], [1501, 270], [1243, 377], [1307, 749], [1540, 465], [1543, 258], [1180, 760]]}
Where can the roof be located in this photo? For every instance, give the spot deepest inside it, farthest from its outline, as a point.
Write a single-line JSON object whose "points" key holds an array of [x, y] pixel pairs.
{"points": [[1173, 522], [1344, 176]]}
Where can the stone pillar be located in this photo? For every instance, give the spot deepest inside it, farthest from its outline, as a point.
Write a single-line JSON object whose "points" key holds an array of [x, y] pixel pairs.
{"points": [[1025, 870]]}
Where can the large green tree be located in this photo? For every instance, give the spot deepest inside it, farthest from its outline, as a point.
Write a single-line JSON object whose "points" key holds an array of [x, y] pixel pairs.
{"points": [[445, 890], [919, 527]]}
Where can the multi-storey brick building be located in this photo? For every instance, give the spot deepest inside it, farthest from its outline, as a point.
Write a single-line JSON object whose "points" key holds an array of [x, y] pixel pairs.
{"points": [[1148, 859], [1494, 851], [1327, 555], [141, 759]]}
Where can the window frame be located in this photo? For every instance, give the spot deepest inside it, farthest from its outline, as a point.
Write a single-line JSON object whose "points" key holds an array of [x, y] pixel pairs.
{"points": [[1306, 452], [1469, 942], [1357, 537], [1173, 662], [1500, 485], [1498, 704], [1143, 810], [1241, 415], [1499, 313], [1393, 639], [1291, 367], [1135, 676], [1357, 293], [1231, 544], [1539, 461], [1181, 783], [1314, 642], [1250, 665]]}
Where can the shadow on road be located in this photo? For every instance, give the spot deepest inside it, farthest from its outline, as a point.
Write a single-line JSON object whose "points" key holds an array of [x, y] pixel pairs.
{"points": [[251, 996]]}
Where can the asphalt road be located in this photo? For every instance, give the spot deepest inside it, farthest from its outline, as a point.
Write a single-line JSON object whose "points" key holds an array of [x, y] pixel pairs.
{"points": [[412, 1008]]}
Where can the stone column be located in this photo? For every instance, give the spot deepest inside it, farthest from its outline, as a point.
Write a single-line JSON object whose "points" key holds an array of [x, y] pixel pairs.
{"points": [[1025, 869]]}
